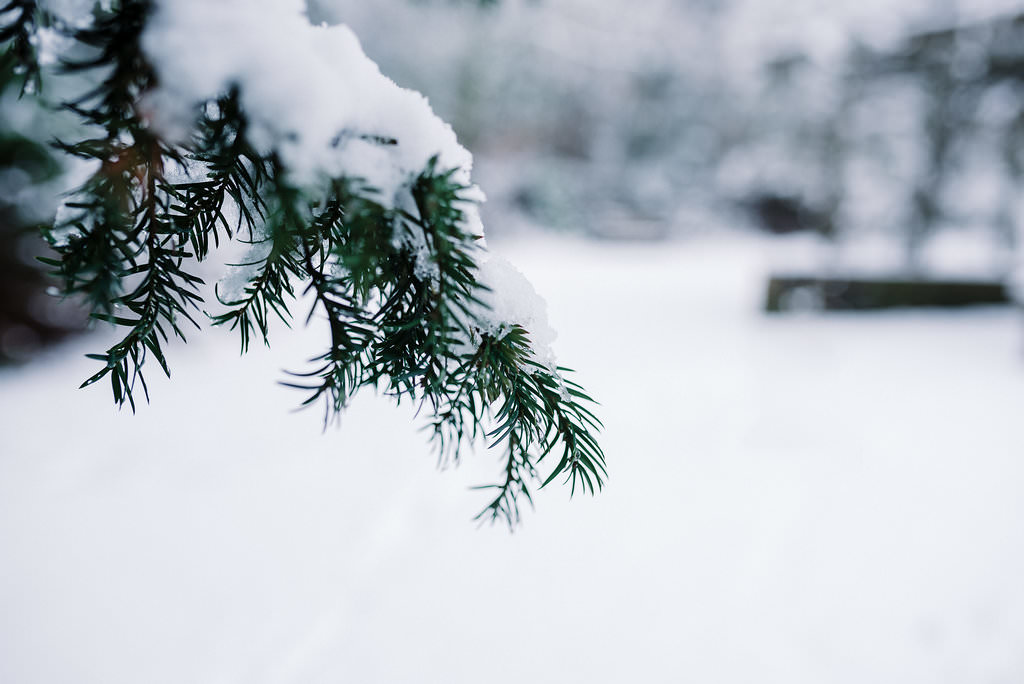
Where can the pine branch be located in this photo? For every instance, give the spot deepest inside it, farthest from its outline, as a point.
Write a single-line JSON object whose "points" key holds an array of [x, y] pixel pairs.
{"points": [[519, 470], [398, 286], [114, 41], [434, 293], [156, 303], [270, 290], [97, 245], [235, 177], [123, 231], [537, 411], [341, 369]]}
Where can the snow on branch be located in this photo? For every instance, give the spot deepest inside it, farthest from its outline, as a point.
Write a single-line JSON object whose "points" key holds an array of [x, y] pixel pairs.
{"points": [[206, 121]]}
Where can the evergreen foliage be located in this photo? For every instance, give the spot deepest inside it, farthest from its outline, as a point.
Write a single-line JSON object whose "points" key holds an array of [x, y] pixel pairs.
{"points": [[397, 286]]}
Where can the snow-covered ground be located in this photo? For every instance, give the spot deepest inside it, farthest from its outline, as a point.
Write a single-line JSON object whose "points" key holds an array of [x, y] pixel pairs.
{"points": [[793, 499]]}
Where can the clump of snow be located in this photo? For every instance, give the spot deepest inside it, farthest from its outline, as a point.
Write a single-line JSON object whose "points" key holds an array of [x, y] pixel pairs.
{"points": [[50, 45], [64, 229], [427, 268], [512, 300], [310, 93]]}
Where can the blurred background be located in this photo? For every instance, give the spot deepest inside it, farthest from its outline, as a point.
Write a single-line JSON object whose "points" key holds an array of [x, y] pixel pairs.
{"points": [[858, 122], [781, 242]]}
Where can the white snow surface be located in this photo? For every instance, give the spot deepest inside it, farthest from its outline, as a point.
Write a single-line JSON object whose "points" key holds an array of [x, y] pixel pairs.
{"points": [[792, 499]]}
